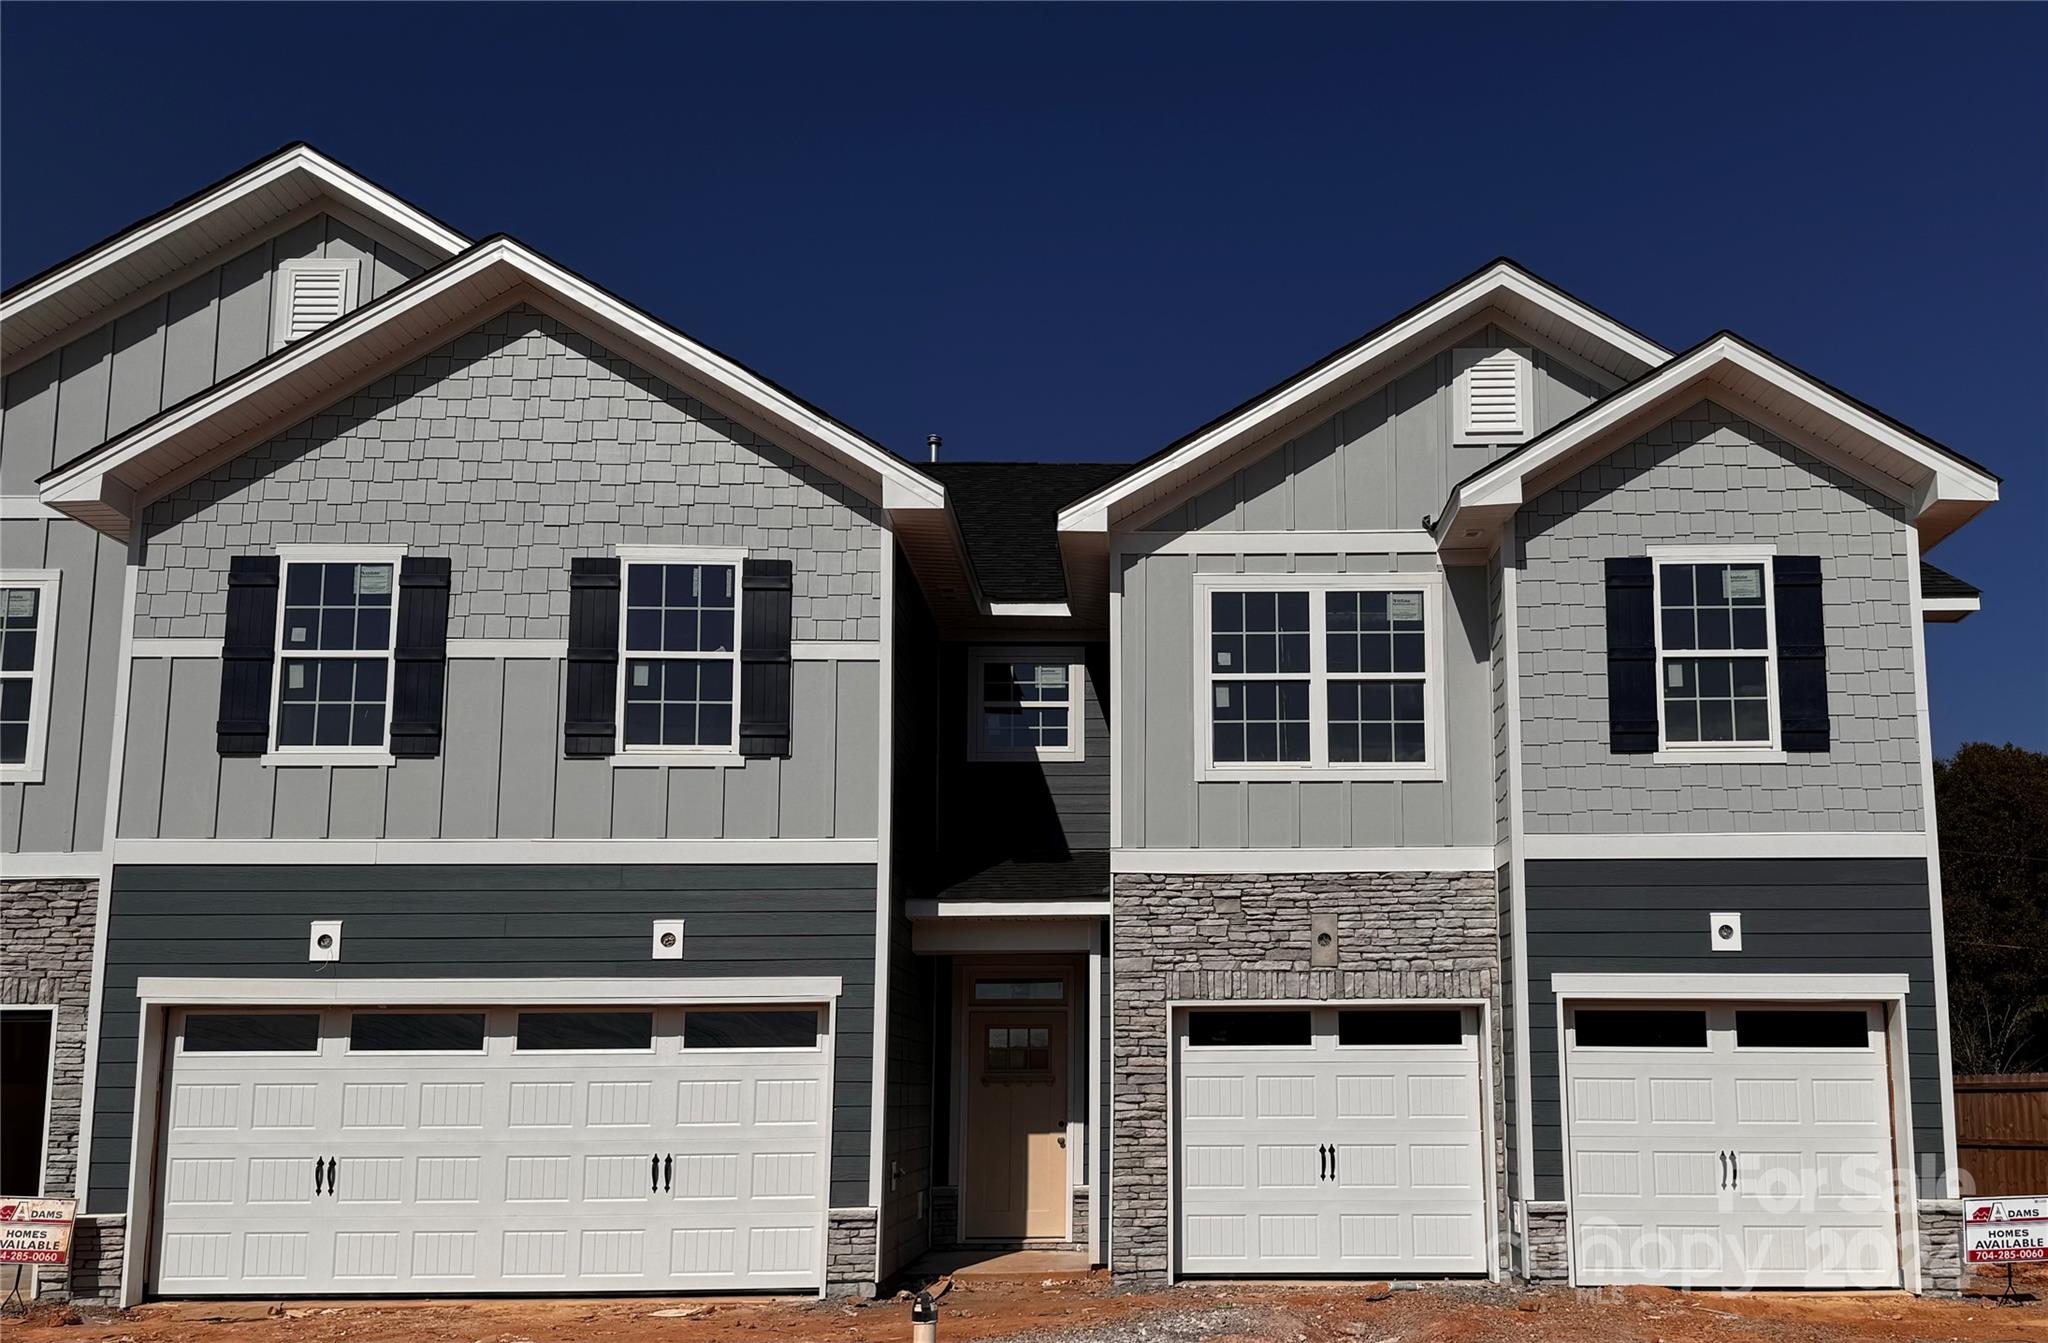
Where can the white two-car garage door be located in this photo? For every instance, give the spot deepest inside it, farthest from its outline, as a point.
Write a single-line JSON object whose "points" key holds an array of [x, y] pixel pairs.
{"points": [[1716, 1145], [1331, 1140], [503, 1149]]}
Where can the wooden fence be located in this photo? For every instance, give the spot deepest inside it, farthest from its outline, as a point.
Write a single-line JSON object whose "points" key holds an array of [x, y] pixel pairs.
{"points": [[2002, 1133]]}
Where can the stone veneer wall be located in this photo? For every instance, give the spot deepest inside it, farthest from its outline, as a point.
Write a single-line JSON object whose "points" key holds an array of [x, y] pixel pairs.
{"points": [[1248, 938], [1940, 1223], [1546, 1241], [46, 930], [850, 1252]]}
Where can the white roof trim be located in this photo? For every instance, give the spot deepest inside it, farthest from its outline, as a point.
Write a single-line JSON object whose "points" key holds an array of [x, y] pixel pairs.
{"points": [[1630, 354], [106, 487], [38, 310], [1926, 476]]}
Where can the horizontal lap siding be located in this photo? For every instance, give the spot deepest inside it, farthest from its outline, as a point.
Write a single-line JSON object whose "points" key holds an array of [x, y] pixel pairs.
{"points": [[1799, 916], [1051, 806], [489, 922]]}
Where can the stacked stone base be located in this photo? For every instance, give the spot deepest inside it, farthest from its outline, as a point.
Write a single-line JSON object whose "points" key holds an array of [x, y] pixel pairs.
{"points": [[850, 1243]]}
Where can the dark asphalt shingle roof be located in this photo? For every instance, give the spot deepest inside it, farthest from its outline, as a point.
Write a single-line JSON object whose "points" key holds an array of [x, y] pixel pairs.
{"points": [[1080, 876], [1008, 512], [1940, 583]]}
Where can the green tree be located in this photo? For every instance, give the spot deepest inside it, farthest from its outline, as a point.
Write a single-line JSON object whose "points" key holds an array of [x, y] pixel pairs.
{"points": [[1992, 802]]}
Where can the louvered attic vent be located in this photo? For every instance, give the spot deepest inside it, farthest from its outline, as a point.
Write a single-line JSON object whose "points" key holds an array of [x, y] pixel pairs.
{"points": [[310, 295], [1494, 390]]}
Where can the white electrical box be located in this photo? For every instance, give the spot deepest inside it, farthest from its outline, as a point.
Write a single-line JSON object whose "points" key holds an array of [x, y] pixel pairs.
{"points": [[1724, 932], [668, 939], [324, 942]]}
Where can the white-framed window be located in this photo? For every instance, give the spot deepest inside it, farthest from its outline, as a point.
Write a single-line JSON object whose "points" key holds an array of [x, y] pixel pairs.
{"points": [[679, 651], [1717, 677], [1025, 704], [311, 293], [336, 621], [28, 638], [1323, 674]]}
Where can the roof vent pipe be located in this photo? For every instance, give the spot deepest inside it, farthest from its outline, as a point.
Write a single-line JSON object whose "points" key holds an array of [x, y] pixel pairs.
{"points": [[934, 442]]}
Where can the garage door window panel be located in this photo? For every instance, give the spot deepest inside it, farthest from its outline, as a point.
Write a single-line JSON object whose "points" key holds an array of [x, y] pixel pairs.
{"points": [[753, 1030], [251, 1033], [1796, 1029], [585, 1032], [416, 1033], [1395, 1027], [1609, 1028], [1250, 1030]]}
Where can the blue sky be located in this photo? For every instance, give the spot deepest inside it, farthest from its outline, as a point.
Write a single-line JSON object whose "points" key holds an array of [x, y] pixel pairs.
{"points": [[1078, 232]]}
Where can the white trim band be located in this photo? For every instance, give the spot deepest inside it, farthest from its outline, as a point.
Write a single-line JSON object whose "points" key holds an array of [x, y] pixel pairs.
{"points": [[1473, 858], [50, 866], [1802, 986], [171, 990], [811, 650], [1762, 844], [435, 852], [1007, 909]]}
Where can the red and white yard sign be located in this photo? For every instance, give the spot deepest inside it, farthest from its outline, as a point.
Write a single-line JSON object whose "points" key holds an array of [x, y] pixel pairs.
{"points": [[2006, 1230], [36, 1230]]}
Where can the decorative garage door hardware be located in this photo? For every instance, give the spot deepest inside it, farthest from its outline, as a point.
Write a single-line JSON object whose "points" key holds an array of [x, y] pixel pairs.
{"points": [[329, 1179], [1731, 1174]]}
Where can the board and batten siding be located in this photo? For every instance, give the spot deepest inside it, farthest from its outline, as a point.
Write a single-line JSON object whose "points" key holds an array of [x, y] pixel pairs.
{"points": [[501, 773], [1166, 805], [206, 329], [1709, 477], [1385, 461], [1801, 916], [66, 810], [490, 922], [512, 449]]}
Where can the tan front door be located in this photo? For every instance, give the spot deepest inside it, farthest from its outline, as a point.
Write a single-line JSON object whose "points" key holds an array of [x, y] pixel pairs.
{"points": [[1016, 1143]]}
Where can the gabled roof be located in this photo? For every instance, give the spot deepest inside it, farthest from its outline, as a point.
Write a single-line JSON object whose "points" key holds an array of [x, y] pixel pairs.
{"points": [[1942, 488], [1502, 286], [1006, 512], [106, 486], [106, 275]]}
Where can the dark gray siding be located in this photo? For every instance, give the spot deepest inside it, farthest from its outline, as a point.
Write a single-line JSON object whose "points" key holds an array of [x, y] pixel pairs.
{"points": [[471, 922], [907, 1146], [1098, 1194], [1803, 915]]}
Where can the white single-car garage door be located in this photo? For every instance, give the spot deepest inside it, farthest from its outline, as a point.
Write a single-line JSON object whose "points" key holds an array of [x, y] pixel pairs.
{"points": [[1719, 1145], [503, 1149], [1331, 1140]]}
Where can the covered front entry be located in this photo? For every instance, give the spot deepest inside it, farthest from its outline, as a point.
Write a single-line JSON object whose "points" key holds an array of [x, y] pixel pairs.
{"points": [[1331, 1140], [492, 1149], [1730, 1144], [1015, 1069]]}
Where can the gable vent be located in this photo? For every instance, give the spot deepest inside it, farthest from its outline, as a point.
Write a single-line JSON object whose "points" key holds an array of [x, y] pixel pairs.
{"points": [[1494, 390], [310, 295]]}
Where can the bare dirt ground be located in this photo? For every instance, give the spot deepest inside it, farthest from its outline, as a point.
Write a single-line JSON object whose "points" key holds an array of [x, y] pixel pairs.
{"points": [[1082, 1310]]}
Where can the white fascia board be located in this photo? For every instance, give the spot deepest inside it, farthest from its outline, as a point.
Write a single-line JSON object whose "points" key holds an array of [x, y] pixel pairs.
{"points": [[1833, 988], [1811, 844], [1093, 512], [1030, 609], [210, 991], [1494, 494], [1007, 909], [1948, 610], [441, 852], [1476, 858], [902, 485]]}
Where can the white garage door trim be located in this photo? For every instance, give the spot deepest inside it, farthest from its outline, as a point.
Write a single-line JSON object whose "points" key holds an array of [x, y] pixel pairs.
{"points": [[1888, 991], [1489, 1140], [158, 994]]}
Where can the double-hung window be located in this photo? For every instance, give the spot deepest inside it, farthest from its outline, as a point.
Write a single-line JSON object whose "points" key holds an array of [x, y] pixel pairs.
{"points": [[1339, 674], [334, 641], [28, 634], [1024, 704], [1716, 651], [679, 655]]}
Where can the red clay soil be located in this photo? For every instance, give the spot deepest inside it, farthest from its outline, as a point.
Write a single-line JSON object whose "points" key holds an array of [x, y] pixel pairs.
{"points": [[1084, 1310]]}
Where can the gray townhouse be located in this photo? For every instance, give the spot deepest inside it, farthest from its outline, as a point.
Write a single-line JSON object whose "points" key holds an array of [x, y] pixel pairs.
{"points": [[500, 797]]}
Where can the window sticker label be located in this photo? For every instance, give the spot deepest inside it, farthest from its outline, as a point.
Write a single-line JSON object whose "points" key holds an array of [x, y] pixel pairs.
{"points": [[1674, 675], [640, 670], [1746, 584], [21, 603], [1222, 658], [1223, 697], [298, 634], [373, 580], [1404, 606], [295, 676]]}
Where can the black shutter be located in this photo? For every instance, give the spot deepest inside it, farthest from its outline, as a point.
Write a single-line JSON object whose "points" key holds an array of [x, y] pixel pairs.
{"points": [[590, 721], [421, 656], [765, 681], [248, 654], [1631, 656], [1802, 653]]}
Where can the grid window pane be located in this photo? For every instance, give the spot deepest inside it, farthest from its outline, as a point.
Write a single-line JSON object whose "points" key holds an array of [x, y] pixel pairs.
{"points": [[1260, 721], [1376, 722], [17, 698], [680, 608], [20, 609], [1374, 632], [1711, 607], [1026, 706], [678, 702], [331, 702], [1716, 700], [337, 607], [1259, 633]]}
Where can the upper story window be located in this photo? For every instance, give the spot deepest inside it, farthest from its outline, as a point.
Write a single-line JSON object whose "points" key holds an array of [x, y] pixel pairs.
{"points": [[1716, 650], [679, 660], [1337, 674], [335, 651], [1025, 704], [28, 626]]}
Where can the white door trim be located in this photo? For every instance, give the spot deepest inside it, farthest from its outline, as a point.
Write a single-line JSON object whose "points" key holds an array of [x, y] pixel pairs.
{"points": [[168, 991], [1780, 987]]}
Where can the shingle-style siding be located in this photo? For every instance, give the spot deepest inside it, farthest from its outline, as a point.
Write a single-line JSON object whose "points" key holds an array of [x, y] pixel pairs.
{"points": [[1709, 477], [1385, 461], [208, 328], [1799, 916], [1497, 684], [1166, 806], [513, 448], [66, 811], [491, 922]]}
